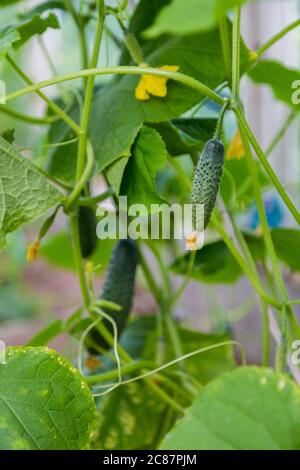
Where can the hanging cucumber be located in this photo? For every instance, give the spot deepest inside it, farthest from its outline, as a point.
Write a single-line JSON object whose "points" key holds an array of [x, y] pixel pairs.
{"points": [[206, 182], [87, 230], [118, 288]]}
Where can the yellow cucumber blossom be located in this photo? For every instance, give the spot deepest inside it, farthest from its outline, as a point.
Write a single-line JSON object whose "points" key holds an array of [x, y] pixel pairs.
{"points": [[153, 85], [32, 251], [236, 148]]}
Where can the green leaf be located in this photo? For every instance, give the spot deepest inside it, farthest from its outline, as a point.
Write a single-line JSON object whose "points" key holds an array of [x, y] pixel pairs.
{"points": [[44, 403], [279, 77], [148, 156], [17, 34], [46, 6], [8, 135], [246, 409], [191, 16], [115, 172], [25, 194], [5, 3], [58, 251], [8, 36], [47, 334], [286, 242], [186, 135], [214, 263], [130, 419], [37, 24]]}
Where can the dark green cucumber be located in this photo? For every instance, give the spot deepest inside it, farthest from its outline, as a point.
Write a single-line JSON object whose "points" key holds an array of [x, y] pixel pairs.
{"points": [[87, 230], [206, 182], [118, 288]]}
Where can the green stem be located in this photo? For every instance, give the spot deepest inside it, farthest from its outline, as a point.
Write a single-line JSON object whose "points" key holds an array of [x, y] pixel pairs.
{"points": [[113, 374], [264, 307], [263, 218], [127, 359], [150, 280], [121, 70], [265, 333], [225, 41], [264, 161], [81, 156], [269, 245], [236, 41], [26, 118], [78, 259], [277, 37], [82, 181], [80, 27], [164, 302], [219, 129], [94, 200], [187, 278], [56, 109], [280, 134]]}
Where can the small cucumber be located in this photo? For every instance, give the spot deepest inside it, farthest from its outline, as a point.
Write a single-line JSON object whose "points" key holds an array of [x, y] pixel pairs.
{"points": [[87, 230], [118, 288], [206, 182]]}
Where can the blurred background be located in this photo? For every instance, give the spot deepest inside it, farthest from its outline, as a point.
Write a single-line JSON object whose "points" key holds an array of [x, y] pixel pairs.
{"points": [[33, 295]]}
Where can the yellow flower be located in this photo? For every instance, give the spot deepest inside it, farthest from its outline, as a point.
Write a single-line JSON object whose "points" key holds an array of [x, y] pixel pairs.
{"points": [[253, 56], [191, 241], [32, 251], [153, 85], [89, 267], [236, 148]]}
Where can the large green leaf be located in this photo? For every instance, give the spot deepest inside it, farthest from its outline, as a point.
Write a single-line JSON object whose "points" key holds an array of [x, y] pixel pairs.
{"points": [[191, 16], [45, 404], [25, 194], [246, 409], [279, 77], [8, 36], [131, 418], [214, 263], [148, 156], [18, 33]]}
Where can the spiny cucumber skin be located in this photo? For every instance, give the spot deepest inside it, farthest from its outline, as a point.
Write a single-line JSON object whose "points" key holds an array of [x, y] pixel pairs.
{"points": [[87, 230], [207, 181], [118, 288]]}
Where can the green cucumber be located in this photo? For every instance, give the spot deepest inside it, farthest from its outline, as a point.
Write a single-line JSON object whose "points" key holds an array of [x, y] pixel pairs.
{"points": [[118, 288], [87, 230], [206, 182]]}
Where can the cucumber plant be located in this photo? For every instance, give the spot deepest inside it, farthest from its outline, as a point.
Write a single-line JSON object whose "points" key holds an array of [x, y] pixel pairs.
{"points": [[143, 126]]}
